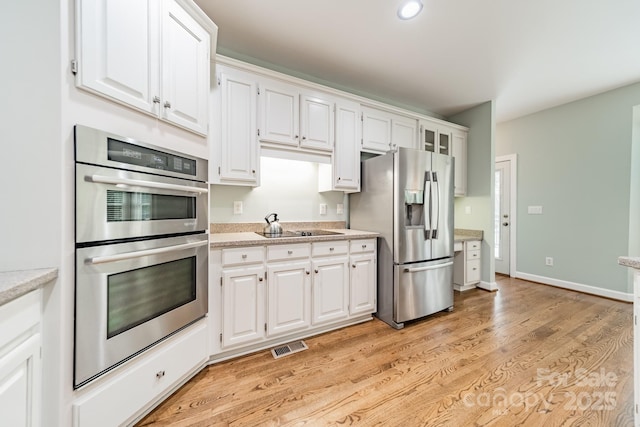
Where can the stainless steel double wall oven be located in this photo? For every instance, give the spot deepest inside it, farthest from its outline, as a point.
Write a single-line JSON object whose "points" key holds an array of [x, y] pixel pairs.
{"points": [[141, 247]]}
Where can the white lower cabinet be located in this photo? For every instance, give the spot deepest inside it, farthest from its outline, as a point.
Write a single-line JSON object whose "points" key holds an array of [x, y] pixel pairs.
{"points": [[126, 394], [289, 289], [330, 281], [266, 295], [20, 362], [363, 276], [466, 265]]}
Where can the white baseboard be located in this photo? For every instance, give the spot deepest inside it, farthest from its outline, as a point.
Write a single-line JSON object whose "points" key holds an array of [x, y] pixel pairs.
{"points": [[587, 289], [493, 286], [462, 288]]}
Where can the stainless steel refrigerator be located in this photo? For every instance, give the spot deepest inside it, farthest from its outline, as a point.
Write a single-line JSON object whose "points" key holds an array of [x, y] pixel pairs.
{"points": [[407, 197]]}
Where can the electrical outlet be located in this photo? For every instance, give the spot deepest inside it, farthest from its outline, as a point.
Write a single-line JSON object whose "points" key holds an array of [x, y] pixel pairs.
{"points": [[549, 261], [237, 208], [339, 208], [534, 210], [323, 208]]}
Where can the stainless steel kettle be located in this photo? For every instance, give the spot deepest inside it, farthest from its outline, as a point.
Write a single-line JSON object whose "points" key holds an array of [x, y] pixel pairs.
{"points": [[273, 227]]}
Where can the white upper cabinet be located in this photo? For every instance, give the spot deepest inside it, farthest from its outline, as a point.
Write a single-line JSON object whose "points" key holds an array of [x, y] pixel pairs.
{"points": [[237, 159], [295, 118], [149, 55], [383, 131], [459, 153], [435, 137], [346, 158]]}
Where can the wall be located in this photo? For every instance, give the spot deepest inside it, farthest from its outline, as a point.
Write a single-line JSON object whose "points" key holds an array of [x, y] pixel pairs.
{"points": [[480, 183], [287, 187], [575, 161]]}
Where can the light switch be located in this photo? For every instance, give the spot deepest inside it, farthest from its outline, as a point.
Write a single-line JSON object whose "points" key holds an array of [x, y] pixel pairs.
{"points": [[339, 208], [237, 208], [467, 210], [534, 210], [323, 208]]}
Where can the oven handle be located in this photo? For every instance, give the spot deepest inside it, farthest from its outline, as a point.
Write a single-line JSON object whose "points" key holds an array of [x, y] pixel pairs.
{"points": [[100, 179], [148, 252]]}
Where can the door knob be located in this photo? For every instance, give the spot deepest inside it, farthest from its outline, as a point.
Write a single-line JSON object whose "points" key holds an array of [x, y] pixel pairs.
{"points": [[505, 223]]}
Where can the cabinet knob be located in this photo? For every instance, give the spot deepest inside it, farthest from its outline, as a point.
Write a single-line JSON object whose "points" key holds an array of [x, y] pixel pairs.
{"points": [[290, 252], [156, 100], [296, 137], [304, 138], [253, 171], [260, 279], [308, 272], [353, 265], [244, 256], [505, 223], [364, 246], [316, 270], [339, 178], [331, 249], [160, 374], [167, 104]]}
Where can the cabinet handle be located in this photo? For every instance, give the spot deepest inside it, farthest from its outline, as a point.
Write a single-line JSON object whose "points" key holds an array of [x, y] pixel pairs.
{"points": [[304, 138], [296, 137], [160, 374], [316, 270], [307, 271], [339, 178], [156, 100], [253, 171], [353, 265], [260, 279], [244, 256], [364, 246], [290, 252], [167, 104], [331, 249]]}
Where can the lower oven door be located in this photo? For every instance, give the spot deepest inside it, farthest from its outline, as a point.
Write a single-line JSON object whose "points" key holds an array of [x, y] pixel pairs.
{"points": [[422, 288], [131, 295]]}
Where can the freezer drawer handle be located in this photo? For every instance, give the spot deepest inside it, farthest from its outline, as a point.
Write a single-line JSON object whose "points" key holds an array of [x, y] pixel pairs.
{"points": [[431, 267], [146, 184], [148, 252]]}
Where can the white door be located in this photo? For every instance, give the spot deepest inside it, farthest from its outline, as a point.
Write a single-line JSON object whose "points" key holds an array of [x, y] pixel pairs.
{"points": [[289, 297], [502, 225]]}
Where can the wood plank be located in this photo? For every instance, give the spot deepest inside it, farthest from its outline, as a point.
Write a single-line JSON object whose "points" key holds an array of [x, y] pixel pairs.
{"points": [[528, 354]]}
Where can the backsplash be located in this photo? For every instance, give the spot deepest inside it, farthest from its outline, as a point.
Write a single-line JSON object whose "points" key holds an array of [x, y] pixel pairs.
{"points": [[287, 187]]}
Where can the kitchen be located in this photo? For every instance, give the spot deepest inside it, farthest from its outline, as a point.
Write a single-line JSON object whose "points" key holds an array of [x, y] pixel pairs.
{"points": [[58, 106]]}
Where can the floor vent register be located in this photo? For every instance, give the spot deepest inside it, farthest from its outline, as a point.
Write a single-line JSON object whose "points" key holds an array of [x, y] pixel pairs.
{"points": [[286, 349]]}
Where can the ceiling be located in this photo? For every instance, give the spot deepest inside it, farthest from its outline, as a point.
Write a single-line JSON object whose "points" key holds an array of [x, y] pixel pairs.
{"points": [[525, 55]]}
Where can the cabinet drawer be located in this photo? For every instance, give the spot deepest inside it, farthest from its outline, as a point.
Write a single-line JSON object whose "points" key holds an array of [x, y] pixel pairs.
{"points": [[473, 255], [472, 245], [362, 245], [142, 383], [473, 271], [329, 248], [283, 252], [241, 256]]}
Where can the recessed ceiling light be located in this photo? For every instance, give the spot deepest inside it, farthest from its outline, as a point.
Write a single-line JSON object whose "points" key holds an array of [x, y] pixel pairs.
{"points": [[409, 9]]}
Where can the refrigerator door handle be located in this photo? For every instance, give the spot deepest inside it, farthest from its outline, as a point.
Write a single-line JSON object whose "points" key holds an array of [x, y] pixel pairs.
{"points": [[431, 267], [435, 205], [427, 205]]}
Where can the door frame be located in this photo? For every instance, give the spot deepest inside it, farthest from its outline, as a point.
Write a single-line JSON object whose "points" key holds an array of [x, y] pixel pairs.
{"points": [[513, 159]]}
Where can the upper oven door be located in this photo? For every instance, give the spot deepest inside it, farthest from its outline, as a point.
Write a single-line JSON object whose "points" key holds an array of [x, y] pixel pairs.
{"points": [[115, 204]]}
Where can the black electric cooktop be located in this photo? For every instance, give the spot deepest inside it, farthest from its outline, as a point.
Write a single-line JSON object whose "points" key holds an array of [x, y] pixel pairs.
{"points": [[300, 233]]}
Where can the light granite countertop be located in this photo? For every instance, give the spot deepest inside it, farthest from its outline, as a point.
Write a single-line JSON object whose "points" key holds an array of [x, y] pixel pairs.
{"points": [[14, 284], [249, 238], [462, 235], [627, 261]]}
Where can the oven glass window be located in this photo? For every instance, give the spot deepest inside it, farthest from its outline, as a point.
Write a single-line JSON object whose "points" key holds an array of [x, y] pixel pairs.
{"points": [[137, 296], [126, 206]]}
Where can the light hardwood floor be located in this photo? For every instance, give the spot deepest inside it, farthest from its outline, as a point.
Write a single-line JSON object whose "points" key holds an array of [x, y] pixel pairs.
{"points": [[527, 355]]}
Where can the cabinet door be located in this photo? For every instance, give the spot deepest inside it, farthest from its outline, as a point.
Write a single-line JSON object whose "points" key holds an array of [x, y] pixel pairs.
{"points": [[243, 306], [376, 130], [289, 297], [20, 384], [239, 144], [459, 152], [363, 284], [279, 111], [118, 50], [346, 158], [404, 132], [185, 69], [316, 123], [330, 289]]}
